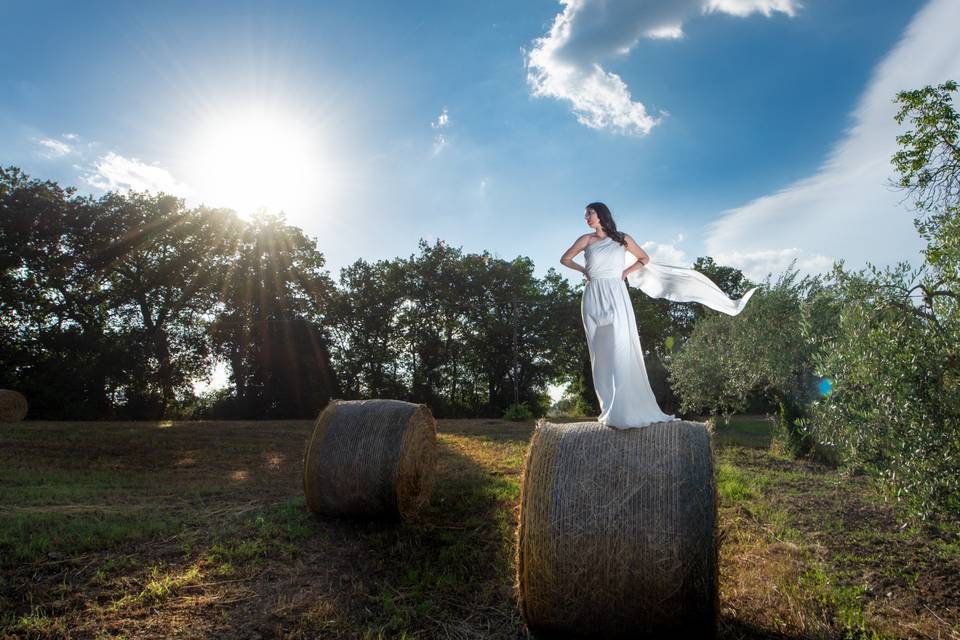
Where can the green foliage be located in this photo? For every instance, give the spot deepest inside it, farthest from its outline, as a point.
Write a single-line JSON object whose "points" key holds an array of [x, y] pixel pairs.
{"points": [[729, 359], [518, 412], [894, 409], [112, 307], [468, 334], [885, 343], [791, 432], [928, 164], [275, 300], [106, 304]]}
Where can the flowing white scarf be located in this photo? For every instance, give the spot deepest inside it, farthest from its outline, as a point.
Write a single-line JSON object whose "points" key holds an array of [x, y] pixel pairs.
{"points": [[681, 284]]}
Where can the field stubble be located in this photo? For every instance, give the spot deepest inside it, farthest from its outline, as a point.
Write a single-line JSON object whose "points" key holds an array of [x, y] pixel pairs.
{"points": [[199, 529]]}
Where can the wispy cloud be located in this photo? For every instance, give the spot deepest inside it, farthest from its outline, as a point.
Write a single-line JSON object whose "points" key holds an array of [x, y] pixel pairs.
{"points": [[114, 172], [566, 63], [756, 265], [441, 123], [54, 148], [848, 209]]}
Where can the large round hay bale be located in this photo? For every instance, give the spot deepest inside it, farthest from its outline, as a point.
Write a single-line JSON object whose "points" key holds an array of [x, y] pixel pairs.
{"points": [[617, 531], [13, 406], [372, 458]]}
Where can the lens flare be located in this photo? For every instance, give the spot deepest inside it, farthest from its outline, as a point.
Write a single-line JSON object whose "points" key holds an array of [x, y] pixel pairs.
{"points": [[826, 386]]}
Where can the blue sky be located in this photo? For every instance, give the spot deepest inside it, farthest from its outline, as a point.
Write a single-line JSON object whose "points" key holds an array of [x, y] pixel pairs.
{"points": [[490, 125]]}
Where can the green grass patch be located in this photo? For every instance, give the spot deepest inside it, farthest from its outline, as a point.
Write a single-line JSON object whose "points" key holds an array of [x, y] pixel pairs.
{"points": [[44, 486], [277, 530], [742, 431], [465, 551], [778, 522], [843, 601], [50, 486], [37, 624], [161, 586], [31, 536], [734, 485]]}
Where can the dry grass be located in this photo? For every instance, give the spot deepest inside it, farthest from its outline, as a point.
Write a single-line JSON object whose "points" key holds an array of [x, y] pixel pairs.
{"points": [[200, 529]]}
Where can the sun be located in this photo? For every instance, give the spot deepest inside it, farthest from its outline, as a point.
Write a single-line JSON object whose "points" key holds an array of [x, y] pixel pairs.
{"points": [[255, 159]]}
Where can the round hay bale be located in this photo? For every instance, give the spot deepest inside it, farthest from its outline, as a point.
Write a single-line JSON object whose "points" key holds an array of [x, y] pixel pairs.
{"points": [[617, 534], [13, 406], [371, 458]]}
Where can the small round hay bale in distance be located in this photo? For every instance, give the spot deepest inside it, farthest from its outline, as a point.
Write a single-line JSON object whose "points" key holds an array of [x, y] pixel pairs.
{"points": [[13, 406], [617, 532], [371, 458]]}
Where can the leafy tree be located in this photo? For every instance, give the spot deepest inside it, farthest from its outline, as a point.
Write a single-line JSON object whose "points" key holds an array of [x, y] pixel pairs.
{"points": [[269, 325], [893, 405], [59, 344], [430, 323], [763, 350], [363, 320], [894, 363], [164, 263]]}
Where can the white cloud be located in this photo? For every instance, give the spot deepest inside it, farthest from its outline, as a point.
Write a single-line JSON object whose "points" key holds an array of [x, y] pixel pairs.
{"points": [[847, 208], [566, 63], [71, 136], [757, 265], [440, 140], [114, 172], [666, 254], [54, 148], [743, 8], [442, 120]]}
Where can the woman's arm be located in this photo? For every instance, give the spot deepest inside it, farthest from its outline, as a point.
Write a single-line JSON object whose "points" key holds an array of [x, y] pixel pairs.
{"points": [[642, 257], [567, 258], [635, 249]]}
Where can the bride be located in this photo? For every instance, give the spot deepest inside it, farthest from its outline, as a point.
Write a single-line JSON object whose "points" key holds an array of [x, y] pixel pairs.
{"points": [[616, 358]]}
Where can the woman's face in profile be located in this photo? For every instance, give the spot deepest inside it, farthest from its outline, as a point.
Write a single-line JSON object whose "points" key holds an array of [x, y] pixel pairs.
{"points": [[591, 217]]}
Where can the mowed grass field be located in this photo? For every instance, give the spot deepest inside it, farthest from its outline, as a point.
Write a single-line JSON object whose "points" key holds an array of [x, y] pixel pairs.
{"points": [[199, 529]]}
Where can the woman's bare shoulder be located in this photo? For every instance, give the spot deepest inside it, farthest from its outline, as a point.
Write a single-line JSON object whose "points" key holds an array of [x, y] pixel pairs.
{"points": [[578, 245], [587, 238]]}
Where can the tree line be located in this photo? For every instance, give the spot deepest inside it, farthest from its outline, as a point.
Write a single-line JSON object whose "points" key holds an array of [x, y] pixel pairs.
{"points": [[113, 306]]}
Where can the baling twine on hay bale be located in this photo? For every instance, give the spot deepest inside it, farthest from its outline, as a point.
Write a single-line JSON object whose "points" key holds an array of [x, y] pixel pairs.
{"points": [[372, 458], [13, 406], [617, 533]]}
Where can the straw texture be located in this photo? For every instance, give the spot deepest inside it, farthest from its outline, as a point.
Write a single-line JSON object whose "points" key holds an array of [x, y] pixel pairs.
{"points": [[371, 458], [13, 406], [617, 534]]}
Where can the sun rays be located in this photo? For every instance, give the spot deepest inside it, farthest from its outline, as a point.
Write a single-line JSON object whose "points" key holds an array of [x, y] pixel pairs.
{"points": [[250, 159]]}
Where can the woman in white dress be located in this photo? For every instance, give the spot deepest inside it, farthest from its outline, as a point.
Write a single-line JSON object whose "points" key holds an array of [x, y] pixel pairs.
{"points": [[616, 357]]}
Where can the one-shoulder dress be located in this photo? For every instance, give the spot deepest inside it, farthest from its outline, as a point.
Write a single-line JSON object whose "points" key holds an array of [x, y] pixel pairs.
{"points": [[616, 357]]}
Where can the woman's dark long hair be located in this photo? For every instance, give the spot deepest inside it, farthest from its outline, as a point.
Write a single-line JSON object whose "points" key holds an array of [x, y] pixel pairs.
{"points": [[606, 222]]}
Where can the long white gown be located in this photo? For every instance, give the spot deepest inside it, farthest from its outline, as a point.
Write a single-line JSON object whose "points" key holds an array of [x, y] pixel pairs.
{"points": [[616, 358]]}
